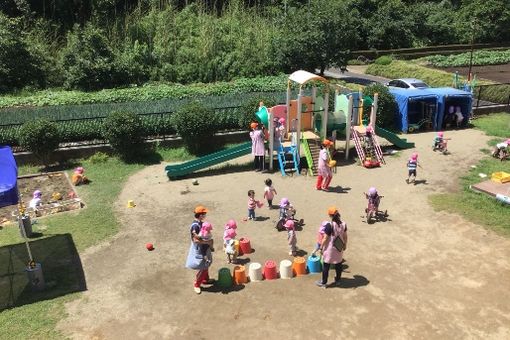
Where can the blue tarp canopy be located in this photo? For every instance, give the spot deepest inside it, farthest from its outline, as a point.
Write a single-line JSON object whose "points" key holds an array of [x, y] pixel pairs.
{"points": [[8, 177], [406, 99], [449, 96]]}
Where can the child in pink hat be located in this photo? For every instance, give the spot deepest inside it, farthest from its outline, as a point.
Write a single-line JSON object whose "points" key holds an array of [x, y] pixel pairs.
{"points": [[206, 234], [412, 164], [291, 237], [229, 244]]}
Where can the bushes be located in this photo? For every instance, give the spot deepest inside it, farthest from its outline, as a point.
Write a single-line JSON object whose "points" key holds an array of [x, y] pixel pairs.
{"points": [[125, 134], [384, 60], [196, 125], [40, 137], [386, 104]]}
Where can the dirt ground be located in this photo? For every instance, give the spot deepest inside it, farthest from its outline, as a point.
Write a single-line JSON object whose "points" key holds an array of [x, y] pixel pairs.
{"points": [[497, 73], [420, 274], [47, 183]]}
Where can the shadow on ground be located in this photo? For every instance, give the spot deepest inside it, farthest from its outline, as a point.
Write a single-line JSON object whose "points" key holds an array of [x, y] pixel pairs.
{"points": [[61, 267]]}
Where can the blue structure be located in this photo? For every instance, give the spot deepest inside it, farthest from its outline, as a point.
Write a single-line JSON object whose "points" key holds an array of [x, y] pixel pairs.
{"points": [[448, 96], [431, 104], [8, 177], [413, 106]]}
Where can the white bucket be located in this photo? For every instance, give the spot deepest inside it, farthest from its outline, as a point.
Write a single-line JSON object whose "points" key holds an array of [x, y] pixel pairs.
{"points": [[255, 271], [286, 269]]}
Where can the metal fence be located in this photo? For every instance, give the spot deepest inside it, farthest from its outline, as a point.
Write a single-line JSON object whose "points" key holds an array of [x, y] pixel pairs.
{"points": [[491, 95]]}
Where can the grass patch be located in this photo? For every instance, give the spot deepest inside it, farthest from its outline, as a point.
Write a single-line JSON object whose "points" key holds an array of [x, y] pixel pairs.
{"points": [[477, 207], [88, 226], [497, 125]]}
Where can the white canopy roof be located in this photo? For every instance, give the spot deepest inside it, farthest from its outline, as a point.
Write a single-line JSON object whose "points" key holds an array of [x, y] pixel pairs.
{"points": [[302, 77]]}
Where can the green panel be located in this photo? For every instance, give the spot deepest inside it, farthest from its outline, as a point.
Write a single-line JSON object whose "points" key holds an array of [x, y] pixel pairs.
{"points": [[393, 138], [308, 155], [218, 157]]}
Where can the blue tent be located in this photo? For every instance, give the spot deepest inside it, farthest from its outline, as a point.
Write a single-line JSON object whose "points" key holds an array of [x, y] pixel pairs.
{"points": [[411, 104], [449, 96], [8, 177]]}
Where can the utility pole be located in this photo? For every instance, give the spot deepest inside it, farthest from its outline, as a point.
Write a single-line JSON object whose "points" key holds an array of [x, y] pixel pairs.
{"points": [[473, 25]]}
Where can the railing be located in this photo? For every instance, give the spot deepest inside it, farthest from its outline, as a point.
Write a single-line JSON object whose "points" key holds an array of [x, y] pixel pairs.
{"points": [[491, 94]]}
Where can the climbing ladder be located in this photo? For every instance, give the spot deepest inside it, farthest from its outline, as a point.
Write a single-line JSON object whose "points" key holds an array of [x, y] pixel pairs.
{"points": [[374, 152], [312, 150], [288, 159]]}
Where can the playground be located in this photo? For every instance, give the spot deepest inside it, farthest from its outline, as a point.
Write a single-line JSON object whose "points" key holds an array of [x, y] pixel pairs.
{"points": [[418, 274]]}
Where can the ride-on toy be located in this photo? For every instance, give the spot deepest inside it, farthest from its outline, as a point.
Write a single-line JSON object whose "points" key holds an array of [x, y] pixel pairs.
{"points": [[372, 210]]}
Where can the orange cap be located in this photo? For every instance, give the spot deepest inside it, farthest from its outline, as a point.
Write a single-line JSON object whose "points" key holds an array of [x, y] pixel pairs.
{"points": [[199, 209], [254, 125], [332, 210], [327, 142]]}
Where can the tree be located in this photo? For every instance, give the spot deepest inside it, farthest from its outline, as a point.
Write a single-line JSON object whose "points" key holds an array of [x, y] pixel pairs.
{"points": [[319, 35], [18, 66], [87, 60]]}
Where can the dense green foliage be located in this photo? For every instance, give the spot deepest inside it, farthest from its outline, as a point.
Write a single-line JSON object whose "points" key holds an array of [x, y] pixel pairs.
{"points": [[196, 125], [383, 60], [124, 132], [479, 58], [88, 45], [40, 137], [386, 104]]}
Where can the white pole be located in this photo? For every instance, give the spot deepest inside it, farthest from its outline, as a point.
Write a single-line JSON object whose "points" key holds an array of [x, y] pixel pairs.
{"points": [[298, 127], [314, 107], [373, 114], [287, 111], [326, 112], [348, 127], [271, 139]]}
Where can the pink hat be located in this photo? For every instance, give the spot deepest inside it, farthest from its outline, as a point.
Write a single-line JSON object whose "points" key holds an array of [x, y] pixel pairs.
{"points": [[231, 224], [79, 170], [508, 141], [369, 129], [289, 224], [284, 202], [440, 133], [206, 226], [37, 194], [414, 156], [282, 120], [230, 234]]}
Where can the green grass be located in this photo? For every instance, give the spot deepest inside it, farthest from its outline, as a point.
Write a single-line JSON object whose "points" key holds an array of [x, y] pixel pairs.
{"points": [[477, 207], [497, 125], [88, 226]]}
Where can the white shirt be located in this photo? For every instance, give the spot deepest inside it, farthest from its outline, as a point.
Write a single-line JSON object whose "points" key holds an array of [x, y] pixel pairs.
{"points": [[34, 203]]}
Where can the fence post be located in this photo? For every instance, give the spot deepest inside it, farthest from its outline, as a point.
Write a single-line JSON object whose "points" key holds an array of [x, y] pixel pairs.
{"points": [[479, 95]]}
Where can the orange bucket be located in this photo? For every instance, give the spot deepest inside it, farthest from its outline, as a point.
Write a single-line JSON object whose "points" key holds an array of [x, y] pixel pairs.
{"points": [[299, 266], [240, 275], [244, 245]]}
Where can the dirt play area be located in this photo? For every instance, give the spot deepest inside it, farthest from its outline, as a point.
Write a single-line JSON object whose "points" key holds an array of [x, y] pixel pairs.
{"points": [[496, 73], [420, 274]]}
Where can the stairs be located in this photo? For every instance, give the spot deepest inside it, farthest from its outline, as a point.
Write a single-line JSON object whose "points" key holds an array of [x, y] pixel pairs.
{"points": [[288, 160], [315, 149]]}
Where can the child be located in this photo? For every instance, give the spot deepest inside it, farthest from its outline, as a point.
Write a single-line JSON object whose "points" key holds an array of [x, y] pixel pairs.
{"points": [[459, 116], [257, 146], [269, 193], [78, 177], [501, 150], [325, 174], [206, 235], [373, 198], [320, 235], [291, 237], [229, 244], [252, 203], [35, 202], [412, 164], [440, 142], [287, 211]]}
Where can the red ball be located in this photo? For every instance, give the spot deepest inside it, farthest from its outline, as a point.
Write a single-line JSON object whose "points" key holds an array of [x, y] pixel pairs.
{"points": [[149, 246]]}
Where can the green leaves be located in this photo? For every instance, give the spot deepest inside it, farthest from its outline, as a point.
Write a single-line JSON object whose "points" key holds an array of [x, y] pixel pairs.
{"points": [[41, 137]]}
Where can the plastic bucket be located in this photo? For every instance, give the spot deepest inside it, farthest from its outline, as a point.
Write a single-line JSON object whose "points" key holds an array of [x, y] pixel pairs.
{"points": [[244, 244], [314, 264], [224, 278], [35, 277], [270, 270], [299, 266], [240, 275], [286, 269], [255, 271]]}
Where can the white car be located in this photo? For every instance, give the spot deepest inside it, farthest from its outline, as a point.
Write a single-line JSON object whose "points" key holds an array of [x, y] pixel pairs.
{"points": [[407, 83]]}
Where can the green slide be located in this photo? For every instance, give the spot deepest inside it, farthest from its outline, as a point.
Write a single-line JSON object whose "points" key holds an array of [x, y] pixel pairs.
{"points": [[182, 169], [393, 138]]}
